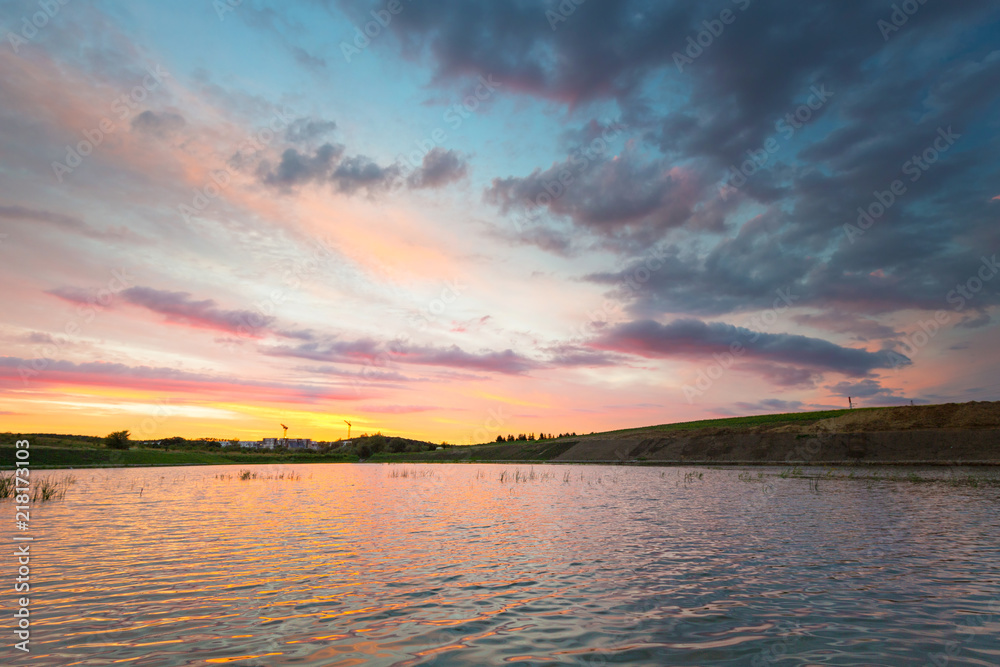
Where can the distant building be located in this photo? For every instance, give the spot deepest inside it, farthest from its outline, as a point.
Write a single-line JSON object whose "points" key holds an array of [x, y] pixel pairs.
{"points": [[297, 443], [270, 443]]}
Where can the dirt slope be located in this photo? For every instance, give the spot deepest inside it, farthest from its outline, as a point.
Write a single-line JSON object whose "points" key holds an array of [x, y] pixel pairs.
{"points": [[967, 432]]}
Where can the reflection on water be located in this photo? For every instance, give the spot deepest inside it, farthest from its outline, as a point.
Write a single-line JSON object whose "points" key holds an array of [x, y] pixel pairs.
{"points": [[447, 565]]}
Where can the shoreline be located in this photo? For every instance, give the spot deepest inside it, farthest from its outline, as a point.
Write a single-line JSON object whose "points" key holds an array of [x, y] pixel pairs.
{"points": [[952, 434], [705, 463]]}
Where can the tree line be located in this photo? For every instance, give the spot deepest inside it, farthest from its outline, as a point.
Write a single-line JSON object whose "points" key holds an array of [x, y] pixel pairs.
{"points": [[531, 436]]}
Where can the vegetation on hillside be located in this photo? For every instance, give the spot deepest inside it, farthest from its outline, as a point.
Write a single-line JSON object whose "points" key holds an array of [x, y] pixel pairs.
{"points": [[117, 440]]}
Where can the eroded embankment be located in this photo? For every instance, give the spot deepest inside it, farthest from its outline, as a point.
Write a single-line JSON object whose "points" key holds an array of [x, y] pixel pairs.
{"points": [[925, 446], [951, 433]]}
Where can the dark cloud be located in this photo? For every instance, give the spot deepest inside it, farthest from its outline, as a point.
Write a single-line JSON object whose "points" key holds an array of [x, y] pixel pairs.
{"points": [[626, 195], [158, 124], [380, 353], [305, 130], [838, 321], [297, 168], [687, 338], [377, 352], [568, 356], [16, 372], [439, 167], [981, 319], [360, 172], [872, 390], [735, 96], [180, 307]]}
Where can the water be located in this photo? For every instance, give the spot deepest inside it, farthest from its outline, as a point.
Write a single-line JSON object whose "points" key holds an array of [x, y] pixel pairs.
{"points": [[583, 565]]}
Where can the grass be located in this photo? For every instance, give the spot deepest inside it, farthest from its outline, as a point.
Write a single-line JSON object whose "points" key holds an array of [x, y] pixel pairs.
{"points": [[51, 489], [743, 422], [544, 450], [410, 472], [40, 488], [245, 475], [518, 477], [80, 457]]}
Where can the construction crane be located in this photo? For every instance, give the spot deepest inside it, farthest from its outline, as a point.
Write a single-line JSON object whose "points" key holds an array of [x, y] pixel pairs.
{"points": [[348, 429], [285, 434]]}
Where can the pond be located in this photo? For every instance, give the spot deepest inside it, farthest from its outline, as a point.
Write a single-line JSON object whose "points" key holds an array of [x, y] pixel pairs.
{"points": [[375, 564]]}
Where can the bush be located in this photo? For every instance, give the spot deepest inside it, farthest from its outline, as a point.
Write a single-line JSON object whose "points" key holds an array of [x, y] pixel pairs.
{"points": [[117, 440]]}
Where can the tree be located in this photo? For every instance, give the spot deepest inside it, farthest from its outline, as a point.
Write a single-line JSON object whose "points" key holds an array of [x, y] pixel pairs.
{"points": [[499, 438], [117, 440]]}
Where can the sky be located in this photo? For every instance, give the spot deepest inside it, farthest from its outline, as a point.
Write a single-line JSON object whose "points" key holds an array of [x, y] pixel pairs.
{"points": [[451, 220]]}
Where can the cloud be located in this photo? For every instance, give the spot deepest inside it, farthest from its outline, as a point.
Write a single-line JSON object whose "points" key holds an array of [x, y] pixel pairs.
{"points": [[305, 130], [297, 168], [689, 338], [439, 167], [18, 372], [625, 195], [181, 308], [771, 405], [350, 174], [863, 389], [734, 97], [66, 223], [395, 409], [567, 355], [369, 350], [160, 125], [360, 172]]}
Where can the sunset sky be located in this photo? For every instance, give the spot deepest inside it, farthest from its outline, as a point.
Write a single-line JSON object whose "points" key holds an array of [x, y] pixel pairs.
{"points": [[492, 217]]}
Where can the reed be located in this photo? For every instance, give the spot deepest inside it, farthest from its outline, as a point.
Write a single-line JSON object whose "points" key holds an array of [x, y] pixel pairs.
{"points": [[521, 477], [48, 488], [245, 475], [6, 484], [405, 473], [39, 488]]}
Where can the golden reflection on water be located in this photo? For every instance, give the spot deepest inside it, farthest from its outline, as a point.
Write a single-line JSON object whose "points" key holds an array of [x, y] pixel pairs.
{"points": [[349, 564]]}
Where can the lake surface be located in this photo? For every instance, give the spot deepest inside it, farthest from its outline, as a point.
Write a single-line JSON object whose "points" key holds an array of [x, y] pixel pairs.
{"points": [[449, 565]]}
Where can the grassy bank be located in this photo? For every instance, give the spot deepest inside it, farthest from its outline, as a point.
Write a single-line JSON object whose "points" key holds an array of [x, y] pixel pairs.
{"points": [[751, 439], [80, 457], [544, 450]]}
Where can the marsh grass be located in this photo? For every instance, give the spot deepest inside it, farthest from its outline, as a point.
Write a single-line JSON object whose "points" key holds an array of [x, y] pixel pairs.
{"points": [[406, 473], [245, 475], [40, 489], [521, 477], [49, 488]]}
